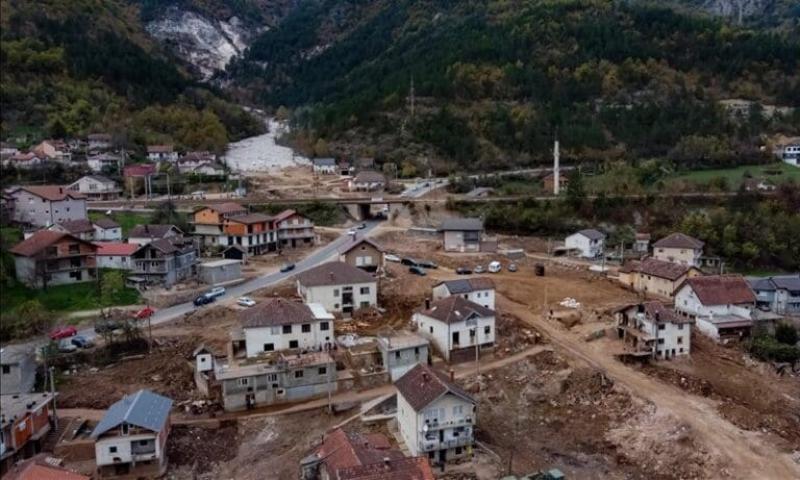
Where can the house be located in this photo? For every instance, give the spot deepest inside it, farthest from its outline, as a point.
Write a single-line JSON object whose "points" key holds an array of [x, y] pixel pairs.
{"points": [[654, 330], [548, 182], [165, 261], [367, 181], [791, 154], [144, 234], [721, 305], [435, 416], [105, 162], [276, 378], [362, 253], [229, 224], [25, 419], [54, 258], [99, 141], [590, 243], [115, 255], [280, 324], [55, 150], [46, 205], [779, 293], [220, 271], [139, 170], [641, 243], [365, 163], [83, 228], [209, 222], [457, 327], [131, 439], [478, 290], [338, 286], [324, 165], [293, 229], [17, 369], [355, 456], [345, 168], [401, 352], [462, 234], [107, 230], [235, 252], [23, 161], [679, 248], [192, 160], [210, 169], [7, 150], [161, 153], [96, 187], [39, 468], [654, 277]]}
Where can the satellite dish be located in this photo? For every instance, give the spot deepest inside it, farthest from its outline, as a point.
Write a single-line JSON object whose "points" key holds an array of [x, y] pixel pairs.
{"points": [[425, 428]]}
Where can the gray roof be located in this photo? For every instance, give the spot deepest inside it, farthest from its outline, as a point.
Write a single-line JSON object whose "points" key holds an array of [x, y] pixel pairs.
{"points": [[334, 273], [100, 179], [777, 282], [468, 285], [325, 162], [462, 224], [106, 222], [275, 312], [152, 231], [143, 409], [592, 234]]}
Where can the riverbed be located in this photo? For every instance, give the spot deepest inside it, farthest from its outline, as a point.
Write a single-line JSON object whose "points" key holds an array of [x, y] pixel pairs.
{"points": [[261, 154]]}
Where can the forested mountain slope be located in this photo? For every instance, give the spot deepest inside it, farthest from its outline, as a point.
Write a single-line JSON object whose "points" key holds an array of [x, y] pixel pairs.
{"points": [[71, 67], [493, 81]]}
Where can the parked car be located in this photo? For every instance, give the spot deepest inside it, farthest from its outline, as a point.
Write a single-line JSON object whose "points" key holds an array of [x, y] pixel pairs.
{"points": [[463, 271], [352, 232], [105, 326], [495, 267], [66, 346], [216, 292], [203, 300], [479, 269], [288, 267], [391, 257], [82, 342], [63, 332], [417, 271], [362, 226], [409, 261], [512, 267], [245, 301], [427, 264]]}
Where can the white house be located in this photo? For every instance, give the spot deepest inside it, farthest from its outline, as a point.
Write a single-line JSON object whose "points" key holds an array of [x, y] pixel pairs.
{"points": [[367, 181], [324, 165], [721, 305], [456, 327], [131, 438], [791, 154], [339, 287], [679, 248], [82, 228], [99, 141], [590, 243], [107, 230], [96, 187], [281, 324], [46, 205], [115, 255], [402, 351], [478, 290], [105, 162], [435, 416], [653, 329], [159, 153]]}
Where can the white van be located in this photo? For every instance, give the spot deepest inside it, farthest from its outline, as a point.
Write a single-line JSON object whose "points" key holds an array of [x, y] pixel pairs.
{"points": [[495, 267]]}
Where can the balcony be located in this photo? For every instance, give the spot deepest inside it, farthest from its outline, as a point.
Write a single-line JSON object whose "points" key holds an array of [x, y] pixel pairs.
{"points": [[295, 234], [455, 422], [430, 445]]}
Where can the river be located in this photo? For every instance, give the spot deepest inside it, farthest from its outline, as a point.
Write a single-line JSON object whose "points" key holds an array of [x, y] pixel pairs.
{"points": [[261, 153]]}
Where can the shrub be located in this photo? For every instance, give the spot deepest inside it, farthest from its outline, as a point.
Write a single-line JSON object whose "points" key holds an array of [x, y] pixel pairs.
{"points": [[786, 334], [768, 348]]}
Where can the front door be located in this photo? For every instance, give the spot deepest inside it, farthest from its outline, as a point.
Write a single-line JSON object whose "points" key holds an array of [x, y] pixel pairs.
{"points": [[443, 456]]}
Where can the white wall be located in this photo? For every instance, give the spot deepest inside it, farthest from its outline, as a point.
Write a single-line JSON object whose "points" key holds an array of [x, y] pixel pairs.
{"points": [[120, 262], [669, 336], [255, 338], [588, 248], [686, 301], [683, 256], [407, 423], [107, 234], [103, 456], [331, 296], [481, 297], [441, 334]]}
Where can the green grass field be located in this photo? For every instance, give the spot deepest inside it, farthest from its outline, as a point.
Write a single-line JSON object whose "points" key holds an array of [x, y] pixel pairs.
{"points": [[776, 172], [126, 220], [65, 298]]}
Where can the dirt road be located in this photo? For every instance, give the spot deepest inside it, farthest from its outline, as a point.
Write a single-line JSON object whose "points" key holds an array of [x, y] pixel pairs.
{"points": [[749, 455]]}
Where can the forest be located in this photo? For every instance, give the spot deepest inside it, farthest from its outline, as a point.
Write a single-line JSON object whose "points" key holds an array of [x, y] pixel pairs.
{"points": [[494, 82]]}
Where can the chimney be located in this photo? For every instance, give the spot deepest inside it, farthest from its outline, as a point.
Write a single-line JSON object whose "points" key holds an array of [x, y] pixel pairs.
{"points": [[60, 190], [386, 462], [330, 274]]}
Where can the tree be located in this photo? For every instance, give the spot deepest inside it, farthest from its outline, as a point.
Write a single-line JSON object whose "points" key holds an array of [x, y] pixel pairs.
{"points": [[167, 214], [575, 190], [786, 333], [112, 284], [321, 148]]}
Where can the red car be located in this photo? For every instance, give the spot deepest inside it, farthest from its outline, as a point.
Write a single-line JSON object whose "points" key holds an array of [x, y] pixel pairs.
{"points": [[63, 332]]}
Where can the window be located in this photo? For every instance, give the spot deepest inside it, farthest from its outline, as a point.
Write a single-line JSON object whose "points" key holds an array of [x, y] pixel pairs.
{"points": [[660, 341], [305, 328], [662, 326], [125, 428], [6, 369], [287, 329], [680, 340], [416, 351], [298, 374], [323, 326], [112, 449], [335, 292], [680, 350], [336, 306], [293, 344], [680, 326], [458, 450], [397, 354], [322, 371], [364, 290], [431, 329], [244, 381], [487, 329], [268, 347], [143, 442], [458, 410]]}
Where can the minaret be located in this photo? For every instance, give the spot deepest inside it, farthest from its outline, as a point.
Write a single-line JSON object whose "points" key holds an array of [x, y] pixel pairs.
{"points": [[556, 180]]}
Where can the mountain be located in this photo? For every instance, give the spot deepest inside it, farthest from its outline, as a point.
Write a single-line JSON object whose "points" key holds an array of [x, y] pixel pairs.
{"points": [[71, 67], [780, 14], [493, 81]]}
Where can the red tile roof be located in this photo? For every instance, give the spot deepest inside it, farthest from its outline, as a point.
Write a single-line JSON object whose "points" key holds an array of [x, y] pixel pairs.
{"points": [[116, 248], [41, 240], [661, 269], [283, 215], [139, 170], [679, 240], [721, 289], [413, 468], [53, 192], [422, 385], [227, 207], [33, 470]]}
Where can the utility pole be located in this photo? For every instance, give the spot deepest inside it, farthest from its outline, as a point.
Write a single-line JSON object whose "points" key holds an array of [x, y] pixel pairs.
{"points": [[556, 172], [53, 393]]}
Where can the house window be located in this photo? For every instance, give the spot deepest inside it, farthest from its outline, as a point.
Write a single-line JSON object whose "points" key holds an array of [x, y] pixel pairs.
{"points": [[305, 328], [293, 344], [335, 292], [143, 442], [397, 354], [125, 428], [364, 290], [660, 341], [458, 450], [298, 374], [458, 410], [6, 369], [680, 326], [322, 370], [287, 329], [680, 340], [112, 449], [244, 381], [336, 306], [268, 347], [662, 327], [272, 377], [323, 326], [487, 329], [431, 329]]}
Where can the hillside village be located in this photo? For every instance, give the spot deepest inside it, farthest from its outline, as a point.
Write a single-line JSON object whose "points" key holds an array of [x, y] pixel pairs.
{"points": [[393, 345]]}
